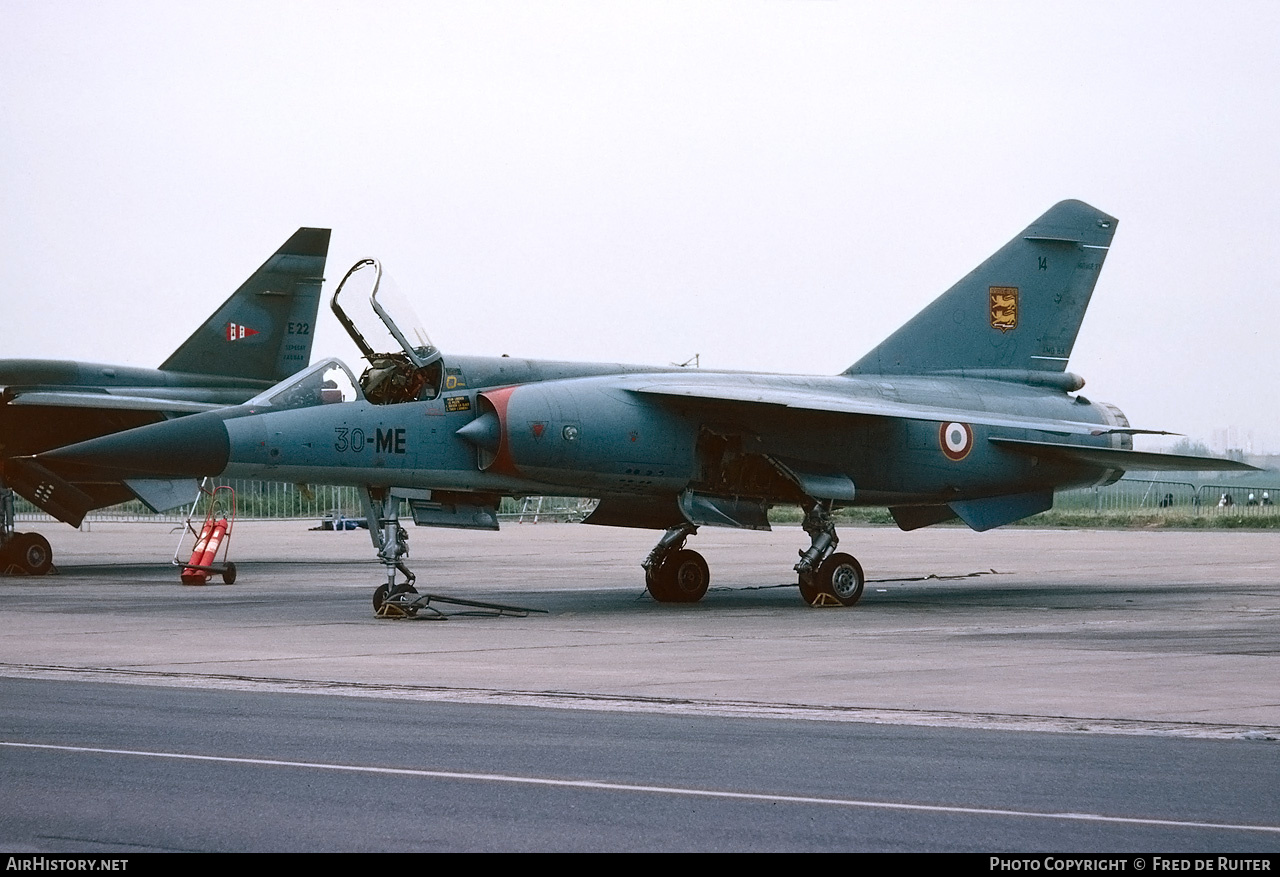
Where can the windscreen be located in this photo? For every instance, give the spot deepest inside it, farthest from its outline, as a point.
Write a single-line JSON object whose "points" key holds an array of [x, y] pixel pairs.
{"points": [[325, 383]]}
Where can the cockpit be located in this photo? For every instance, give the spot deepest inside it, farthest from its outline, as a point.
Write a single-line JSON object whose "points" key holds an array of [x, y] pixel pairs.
{"points": [[404, 366]]}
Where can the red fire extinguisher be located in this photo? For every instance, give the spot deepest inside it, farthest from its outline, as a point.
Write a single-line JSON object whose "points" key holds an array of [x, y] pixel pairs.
{"points": [[215, 534]]}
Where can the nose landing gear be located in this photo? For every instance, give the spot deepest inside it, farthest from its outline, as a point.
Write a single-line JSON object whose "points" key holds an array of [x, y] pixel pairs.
{"points": [[392, 544]]}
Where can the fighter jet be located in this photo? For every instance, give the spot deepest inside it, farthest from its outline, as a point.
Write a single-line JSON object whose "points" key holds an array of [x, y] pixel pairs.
{"points": [[965, 412], [257, 337]]}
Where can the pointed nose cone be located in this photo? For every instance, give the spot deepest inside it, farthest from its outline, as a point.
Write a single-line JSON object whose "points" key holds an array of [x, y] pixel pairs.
{"points": [[484, 432], [189, 447]]}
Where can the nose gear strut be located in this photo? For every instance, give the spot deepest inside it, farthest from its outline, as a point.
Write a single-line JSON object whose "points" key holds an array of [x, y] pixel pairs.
{"points": [[382, 511]]}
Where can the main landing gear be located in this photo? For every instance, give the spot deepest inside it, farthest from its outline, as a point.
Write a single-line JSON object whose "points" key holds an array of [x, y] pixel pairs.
{"points": [[827, 577], [675, 574], [25, 554]]}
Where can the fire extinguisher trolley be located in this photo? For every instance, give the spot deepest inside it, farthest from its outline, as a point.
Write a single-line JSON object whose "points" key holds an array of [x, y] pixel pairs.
{"points": [[213, 537]]}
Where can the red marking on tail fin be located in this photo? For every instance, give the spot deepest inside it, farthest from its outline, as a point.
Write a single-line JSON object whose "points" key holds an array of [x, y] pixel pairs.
{"points": [[235, 331]]}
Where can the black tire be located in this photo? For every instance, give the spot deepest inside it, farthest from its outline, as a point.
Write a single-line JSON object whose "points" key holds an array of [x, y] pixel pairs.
{"points": [[656, 582], [809, 590], [380, 598], [33, 553], [838, 582], [682, 577], [229, 574]]}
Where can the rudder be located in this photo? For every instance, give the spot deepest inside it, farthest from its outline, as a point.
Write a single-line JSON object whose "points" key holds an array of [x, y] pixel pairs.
{"points": [[1020, 310], [264, 331]]}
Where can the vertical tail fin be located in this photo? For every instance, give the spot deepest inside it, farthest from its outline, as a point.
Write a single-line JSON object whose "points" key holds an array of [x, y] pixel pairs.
{"points": [[265, 329], [1020, 310]]}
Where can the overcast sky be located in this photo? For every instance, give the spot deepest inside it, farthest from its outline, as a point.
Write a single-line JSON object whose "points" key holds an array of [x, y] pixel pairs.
{"points": [[773, 185]]}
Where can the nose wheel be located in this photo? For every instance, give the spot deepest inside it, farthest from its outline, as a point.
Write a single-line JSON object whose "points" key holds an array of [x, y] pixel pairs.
{"points": [[383, 609]]}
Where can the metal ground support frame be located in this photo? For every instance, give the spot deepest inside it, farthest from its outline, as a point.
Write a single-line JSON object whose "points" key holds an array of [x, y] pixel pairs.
{"points": [[202, 564], [524, 509], [407, 604]]}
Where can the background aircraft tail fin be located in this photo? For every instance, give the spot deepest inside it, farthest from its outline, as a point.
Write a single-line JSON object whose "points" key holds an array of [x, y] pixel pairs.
{"points": [[1018, 311], [265, 329]]}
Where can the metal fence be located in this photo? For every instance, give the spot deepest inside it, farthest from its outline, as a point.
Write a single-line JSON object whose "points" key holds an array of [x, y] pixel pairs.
{"points": [[535, 509], [254, 500], [271, 500], [275, 500], [1174, 498]]}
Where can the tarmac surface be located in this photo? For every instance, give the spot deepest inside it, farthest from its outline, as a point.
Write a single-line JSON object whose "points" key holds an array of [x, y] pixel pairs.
{"points": [[1119, 631], [125, 768]]}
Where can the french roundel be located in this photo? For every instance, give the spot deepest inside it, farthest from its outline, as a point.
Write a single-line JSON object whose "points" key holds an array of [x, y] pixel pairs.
{"points": [[956, 440]]}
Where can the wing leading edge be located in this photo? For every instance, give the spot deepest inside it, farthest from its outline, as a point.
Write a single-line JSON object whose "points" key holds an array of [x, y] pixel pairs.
{"points": [[808, 401]]}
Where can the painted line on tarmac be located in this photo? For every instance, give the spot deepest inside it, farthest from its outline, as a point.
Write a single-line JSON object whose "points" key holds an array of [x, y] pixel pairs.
{"points": [[637, 704], [597, 785]]}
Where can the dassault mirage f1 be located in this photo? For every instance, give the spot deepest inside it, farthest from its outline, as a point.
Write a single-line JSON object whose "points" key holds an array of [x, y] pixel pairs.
{"points": [[965, 412], [257, 337]]}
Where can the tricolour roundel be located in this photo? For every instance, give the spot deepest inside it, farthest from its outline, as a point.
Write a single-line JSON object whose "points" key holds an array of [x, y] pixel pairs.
{"points": [[956, 440]]}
